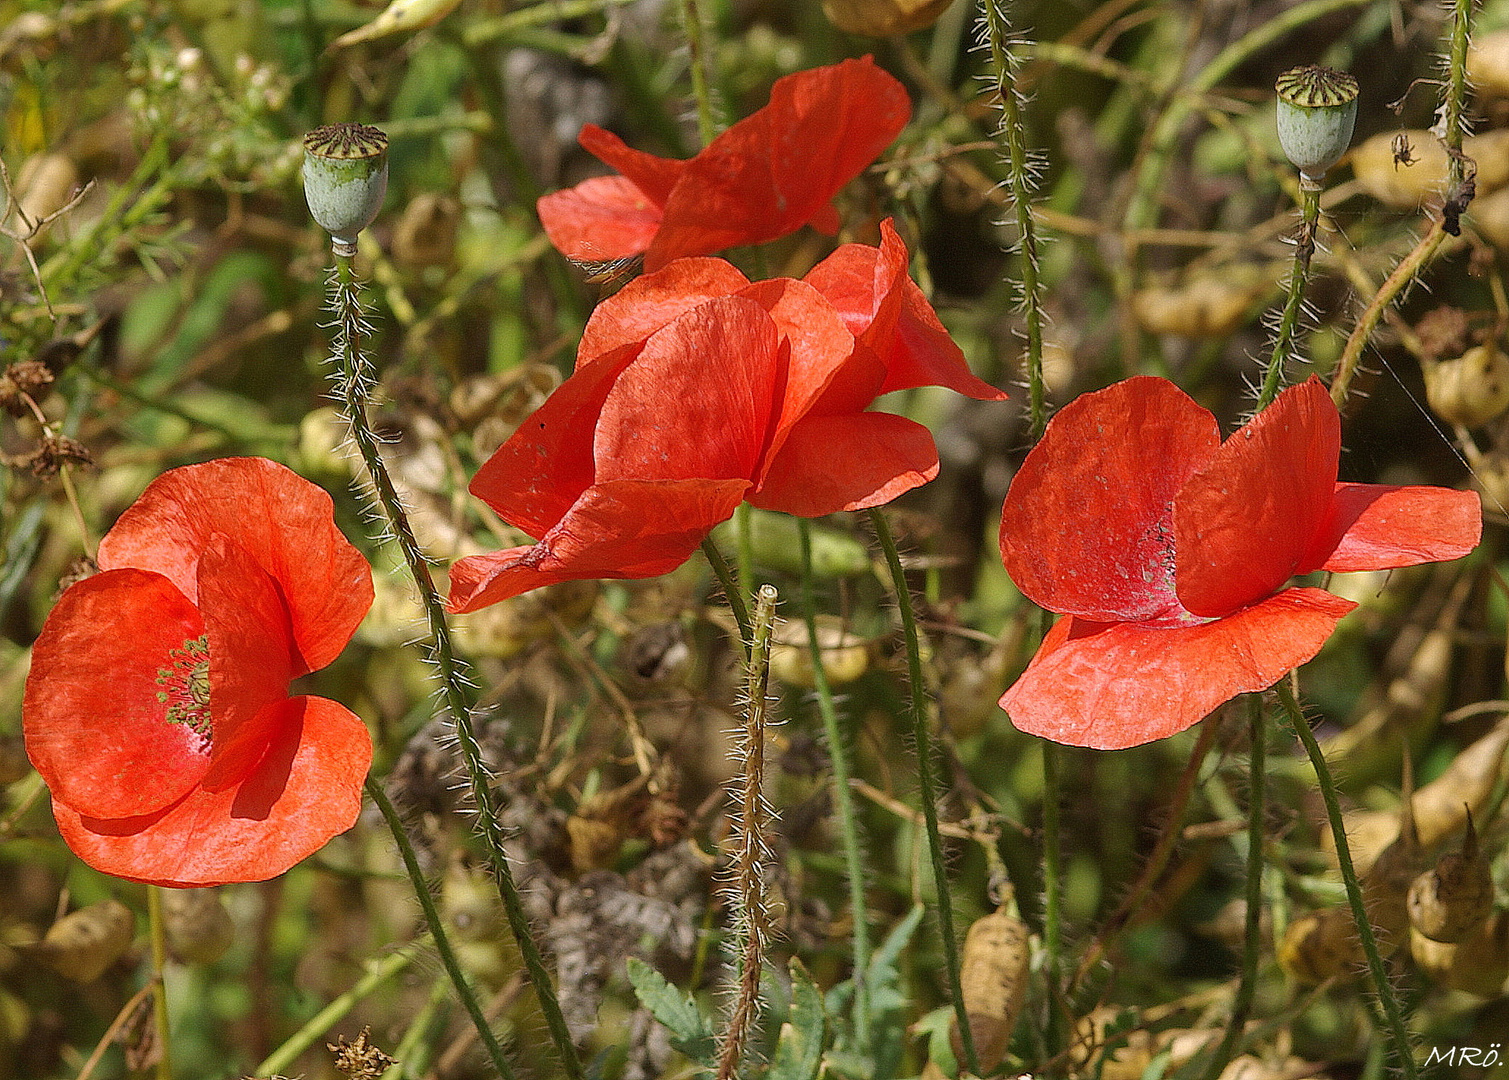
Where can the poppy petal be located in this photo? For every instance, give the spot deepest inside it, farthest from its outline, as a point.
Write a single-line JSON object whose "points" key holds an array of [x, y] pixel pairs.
{"points": [[94, 725], [1110, 686], [653, 176], [620, 529], [651, 301], [833, 463], [533, 479], [602, 219], [696, 401], [1378, 527], [1244, 523], [1086, 529], [250, 662], [775, 170], [282, 521], [306, 789]]}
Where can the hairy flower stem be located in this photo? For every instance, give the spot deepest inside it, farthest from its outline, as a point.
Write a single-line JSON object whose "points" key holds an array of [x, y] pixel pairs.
{"points": [[1252, 941], [1299, 274], [696, 46], [751, 854], [926, 785], [732, 591], [157, 930], [355, 380], [437, 929], [1393, 1017], [843, 800]]}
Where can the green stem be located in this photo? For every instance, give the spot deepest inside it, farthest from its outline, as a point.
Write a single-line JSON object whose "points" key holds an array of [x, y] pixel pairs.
{"points": [[691, 25], [926, 785], [355, 381], [378, 972], [1252, 942], [157, 929], [442, 941], [1299, 274], [843, 800], [731, 589], [1393, 1017], [1053, 877]]}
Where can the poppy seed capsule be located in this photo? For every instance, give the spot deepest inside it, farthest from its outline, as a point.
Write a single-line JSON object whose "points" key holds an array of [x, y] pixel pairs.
{"points": [[1449, 901], [345, 179], [1470, 390], [1317, 107]]}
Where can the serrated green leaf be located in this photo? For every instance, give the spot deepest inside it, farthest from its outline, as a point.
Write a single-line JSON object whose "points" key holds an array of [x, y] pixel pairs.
{"points": [[799, 1053], [690, 1032]]}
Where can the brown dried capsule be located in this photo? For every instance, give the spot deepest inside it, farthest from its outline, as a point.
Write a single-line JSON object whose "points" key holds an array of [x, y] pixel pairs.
{"points": [[1448, 902], [199, 928], [993, 978], [83, 944], [1478, 964], [1320, 945], [881, 18], [1470, 390]]}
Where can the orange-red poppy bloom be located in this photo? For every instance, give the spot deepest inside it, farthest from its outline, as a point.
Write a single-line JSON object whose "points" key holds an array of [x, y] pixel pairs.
{"points": [[766, 176], [1168, 550], [696, 389], [157, 706]]}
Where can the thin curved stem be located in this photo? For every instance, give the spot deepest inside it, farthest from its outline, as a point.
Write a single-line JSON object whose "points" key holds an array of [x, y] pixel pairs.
{"points": [[926, 784], [732, 591], [355, 382], [1299, 274], [157, 928]]}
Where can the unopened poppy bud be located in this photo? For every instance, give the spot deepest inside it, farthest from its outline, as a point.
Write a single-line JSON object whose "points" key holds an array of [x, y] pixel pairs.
{"points": [[1317, 107], [345, 179]]}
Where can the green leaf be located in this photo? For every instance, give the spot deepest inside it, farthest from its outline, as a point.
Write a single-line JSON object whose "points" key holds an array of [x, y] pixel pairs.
{"points": [[690, 1032], [799, 1054]]}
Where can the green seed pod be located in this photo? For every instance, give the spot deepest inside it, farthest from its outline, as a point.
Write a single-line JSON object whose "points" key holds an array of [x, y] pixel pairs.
{"points": [[345, 179], [1316, 109]]}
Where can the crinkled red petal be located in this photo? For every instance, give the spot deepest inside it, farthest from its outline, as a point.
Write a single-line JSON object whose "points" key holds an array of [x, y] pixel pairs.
{"points": [[653, 176], [1110, 686], [602, 219], [833, 463], [306, 789], [621, 529], [774, 171], [651, 301], [1244, 523], [93, 724], [696, 402], [1087, 527], [1378, 527], [533, 479], [282, 520], [250, 659]]}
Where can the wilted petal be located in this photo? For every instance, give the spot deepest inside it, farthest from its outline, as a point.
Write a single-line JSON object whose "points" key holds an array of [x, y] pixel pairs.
{"points": [[1114, 685], [306, 789], [833, 463], [94, 726], [1378, 527], [602, 219], [1244, 523], [1087, 528]]}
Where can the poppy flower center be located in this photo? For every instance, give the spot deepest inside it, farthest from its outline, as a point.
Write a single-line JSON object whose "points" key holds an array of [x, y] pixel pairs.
{"points": [[185, 686]]}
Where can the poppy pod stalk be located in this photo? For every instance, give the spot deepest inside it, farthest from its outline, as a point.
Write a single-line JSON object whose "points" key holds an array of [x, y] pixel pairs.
{"points": [[345, 180], [1317, 107]]}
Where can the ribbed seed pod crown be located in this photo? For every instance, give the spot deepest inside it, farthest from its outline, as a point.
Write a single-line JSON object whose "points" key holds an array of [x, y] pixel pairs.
{"points": [[345, 179], [1317, 107]]}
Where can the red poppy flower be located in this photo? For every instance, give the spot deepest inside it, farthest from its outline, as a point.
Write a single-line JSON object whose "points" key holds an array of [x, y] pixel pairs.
{"points": [[766, 176], [696, 389], [1168, 550], [157, 706]]}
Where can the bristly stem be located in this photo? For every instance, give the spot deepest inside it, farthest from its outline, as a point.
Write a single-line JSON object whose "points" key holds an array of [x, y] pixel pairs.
{"points": [[696, 45], [437, 929], [355, 380], [1299, 274], [752, 856], [1252, 942], [926, 785], [732, 589], [157, 929], [843, 800], [1393, 1017]]}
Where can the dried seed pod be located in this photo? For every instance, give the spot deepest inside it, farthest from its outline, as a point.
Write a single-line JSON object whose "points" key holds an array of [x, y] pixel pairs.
{"points": [[1407, 187], [1447, 902], [1320, 945], [46, 183], [199, 928], [881, 18], [993, 978], [1209, 305], [1488, 64], [426, 231], [1478, 964], [84, 943], [1441, 806], [1386, 884], [1470, 390], [846, 656]]}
